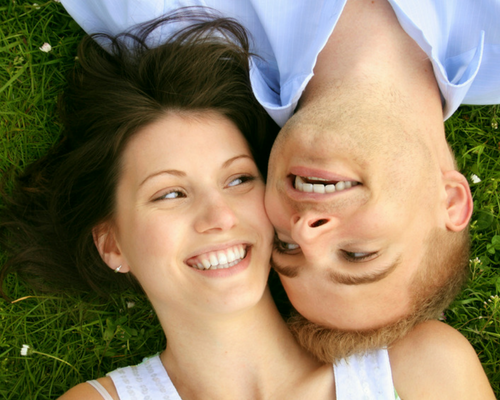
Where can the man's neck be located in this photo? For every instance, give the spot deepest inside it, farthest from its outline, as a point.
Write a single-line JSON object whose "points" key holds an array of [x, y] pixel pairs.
{"points": [[369, 42], [368, 49]]}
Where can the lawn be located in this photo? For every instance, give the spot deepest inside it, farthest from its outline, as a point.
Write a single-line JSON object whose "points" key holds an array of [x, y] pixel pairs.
{"points": [[72, 338]]}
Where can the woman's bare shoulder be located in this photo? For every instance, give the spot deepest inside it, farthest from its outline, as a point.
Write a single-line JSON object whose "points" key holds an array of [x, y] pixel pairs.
{"points": [[85, 391], [436, 361]]}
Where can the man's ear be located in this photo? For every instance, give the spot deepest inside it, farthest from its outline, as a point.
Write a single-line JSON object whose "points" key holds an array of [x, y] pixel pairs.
{"points": [[108, 247], [459, 202]]}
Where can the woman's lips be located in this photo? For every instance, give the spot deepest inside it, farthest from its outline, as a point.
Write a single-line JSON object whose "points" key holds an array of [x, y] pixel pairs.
{"points": [[220, 259]]}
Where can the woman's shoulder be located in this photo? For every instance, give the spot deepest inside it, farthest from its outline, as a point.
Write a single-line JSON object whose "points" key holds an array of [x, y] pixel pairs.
{"points": [[85, 391], [436, 361]]}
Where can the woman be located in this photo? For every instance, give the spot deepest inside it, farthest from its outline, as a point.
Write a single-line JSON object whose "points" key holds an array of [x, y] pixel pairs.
{"points": [[155, 184]]}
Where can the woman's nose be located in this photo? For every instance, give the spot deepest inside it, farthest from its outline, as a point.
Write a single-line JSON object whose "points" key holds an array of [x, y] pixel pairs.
{"points": [[216, 214]]}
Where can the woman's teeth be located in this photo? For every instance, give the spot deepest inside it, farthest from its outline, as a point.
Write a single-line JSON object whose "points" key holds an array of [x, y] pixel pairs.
{"points": [[219, 259], [317, 187]]}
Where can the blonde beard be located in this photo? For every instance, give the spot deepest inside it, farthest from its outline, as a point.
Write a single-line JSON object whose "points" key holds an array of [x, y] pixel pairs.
{"points": [[330, 345]]}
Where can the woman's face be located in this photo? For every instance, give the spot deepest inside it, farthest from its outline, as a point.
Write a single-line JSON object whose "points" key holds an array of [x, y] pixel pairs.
{"points": [[190, 197]]}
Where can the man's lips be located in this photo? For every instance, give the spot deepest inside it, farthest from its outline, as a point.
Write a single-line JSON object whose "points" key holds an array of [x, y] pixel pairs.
{"points": [[320, 174], [319, 185], [309, 180]]}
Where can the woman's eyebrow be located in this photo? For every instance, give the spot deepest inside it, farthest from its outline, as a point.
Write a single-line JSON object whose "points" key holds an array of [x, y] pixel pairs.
{"points": [[178, 173], [174, 172], [227, 163]]}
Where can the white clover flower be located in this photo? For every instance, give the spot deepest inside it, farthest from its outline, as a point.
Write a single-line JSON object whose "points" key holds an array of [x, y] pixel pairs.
{"points": [[24, 350], [475, 178], [476, 261], [46, 47]]}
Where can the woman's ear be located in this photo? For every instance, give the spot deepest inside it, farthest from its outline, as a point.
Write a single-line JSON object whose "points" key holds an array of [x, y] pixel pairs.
{"points": [[108, 247], [459, 202]]}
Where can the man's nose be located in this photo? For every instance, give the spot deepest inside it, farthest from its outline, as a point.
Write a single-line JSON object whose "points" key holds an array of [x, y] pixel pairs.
{"points": [[307, 229]]}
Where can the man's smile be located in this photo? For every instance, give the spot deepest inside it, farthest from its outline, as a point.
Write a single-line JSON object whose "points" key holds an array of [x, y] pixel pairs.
{"points": [[311, 184]]}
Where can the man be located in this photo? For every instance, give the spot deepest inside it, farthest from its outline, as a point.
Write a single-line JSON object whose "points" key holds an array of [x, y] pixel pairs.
{"points": [[370, 212]]}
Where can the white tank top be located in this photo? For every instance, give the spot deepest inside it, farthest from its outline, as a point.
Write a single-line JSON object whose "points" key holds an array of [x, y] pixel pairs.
{"points": [[363, 377]]}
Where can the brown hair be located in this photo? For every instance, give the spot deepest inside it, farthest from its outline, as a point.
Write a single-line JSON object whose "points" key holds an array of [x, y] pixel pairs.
{"points": [[441, 275], [46, 224]]}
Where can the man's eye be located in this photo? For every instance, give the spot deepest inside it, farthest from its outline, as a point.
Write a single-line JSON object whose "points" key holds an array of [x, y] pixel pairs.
{"points": [[355, 256], [284, 247], [241, 180]]}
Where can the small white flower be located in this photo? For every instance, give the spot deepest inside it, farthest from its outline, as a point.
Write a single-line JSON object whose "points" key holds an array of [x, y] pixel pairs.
{"points": [[24, 350], [36, 6], [130, 304], [475, 178], [46, 47]]}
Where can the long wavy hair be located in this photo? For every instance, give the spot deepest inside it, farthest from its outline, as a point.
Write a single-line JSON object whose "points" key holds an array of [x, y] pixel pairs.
{"points": [[115, 90]]}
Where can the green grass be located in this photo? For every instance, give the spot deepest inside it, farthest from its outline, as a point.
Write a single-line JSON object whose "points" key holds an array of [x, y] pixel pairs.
{"points": [[75, 338], [475, 137]]}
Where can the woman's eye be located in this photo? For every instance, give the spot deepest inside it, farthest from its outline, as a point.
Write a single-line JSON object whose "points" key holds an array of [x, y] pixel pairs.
{"points": [[355, 256], [174, 194], [285, 247], [241, 180]]}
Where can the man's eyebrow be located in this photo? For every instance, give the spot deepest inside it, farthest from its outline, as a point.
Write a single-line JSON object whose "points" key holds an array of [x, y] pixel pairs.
{"points": [[370, 277], [288, 271], [337, 277]]}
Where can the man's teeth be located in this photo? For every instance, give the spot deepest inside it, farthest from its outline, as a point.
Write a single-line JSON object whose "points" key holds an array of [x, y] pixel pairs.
{"points": [[219, 259], [319, 187]]}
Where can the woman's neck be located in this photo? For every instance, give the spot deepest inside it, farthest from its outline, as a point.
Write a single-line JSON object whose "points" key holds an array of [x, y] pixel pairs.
{"points": [[250, 354]]}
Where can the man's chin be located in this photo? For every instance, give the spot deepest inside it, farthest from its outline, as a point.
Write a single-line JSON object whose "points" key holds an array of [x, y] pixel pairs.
{"points": [[330, 345]]}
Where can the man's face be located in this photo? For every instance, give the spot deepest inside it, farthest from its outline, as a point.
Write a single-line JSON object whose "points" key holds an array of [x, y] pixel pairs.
{"points": [[347, 256]]}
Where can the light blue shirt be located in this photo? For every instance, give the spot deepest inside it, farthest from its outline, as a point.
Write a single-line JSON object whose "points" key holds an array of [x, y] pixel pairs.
{"points": [[461, 38]]}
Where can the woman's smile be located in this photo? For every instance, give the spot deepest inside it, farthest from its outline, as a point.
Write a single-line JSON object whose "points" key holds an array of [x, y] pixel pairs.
{"points": [[219, 259], [227, 268]]}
